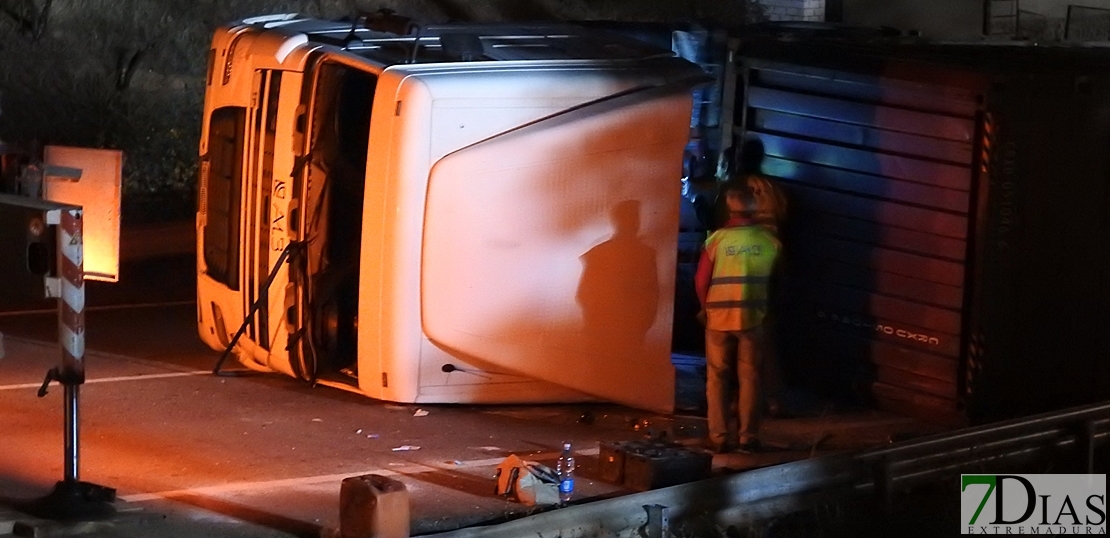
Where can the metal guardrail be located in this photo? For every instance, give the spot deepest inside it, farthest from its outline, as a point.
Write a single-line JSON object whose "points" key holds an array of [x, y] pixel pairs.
{"points": [[1080, 429], [782, 489]]}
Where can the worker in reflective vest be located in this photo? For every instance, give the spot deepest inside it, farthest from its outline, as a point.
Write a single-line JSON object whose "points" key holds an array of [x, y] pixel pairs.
{"points": [[732, 283]]}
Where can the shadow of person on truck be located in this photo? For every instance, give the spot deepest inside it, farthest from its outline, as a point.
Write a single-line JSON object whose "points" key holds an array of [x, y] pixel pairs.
{"points": [[619, 289]]}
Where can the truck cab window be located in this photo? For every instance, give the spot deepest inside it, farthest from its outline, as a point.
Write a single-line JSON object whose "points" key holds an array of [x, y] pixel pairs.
{"points": [[223, 186]]}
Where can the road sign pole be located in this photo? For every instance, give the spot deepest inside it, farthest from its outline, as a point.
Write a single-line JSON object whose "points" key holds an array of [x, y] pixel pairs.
{"points": [[71, 330], [71, 498]]}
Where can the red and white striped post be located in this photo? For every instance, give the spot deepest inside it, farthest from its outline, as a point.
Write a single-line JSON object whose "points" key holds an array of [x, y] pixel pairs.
{"points": [[71, 498], [71, 327], [63, 275]]}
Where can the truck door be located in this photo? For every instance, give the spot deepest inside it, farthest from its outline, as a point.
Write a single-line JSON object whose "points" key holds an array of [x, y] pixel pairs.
{"points": [[331, 186], [549, 251]]}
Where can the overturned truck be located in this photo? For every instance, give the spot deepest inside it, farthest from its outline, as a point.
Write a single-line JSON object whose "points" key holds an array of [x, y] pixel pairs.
{"points": [[443, 214]]}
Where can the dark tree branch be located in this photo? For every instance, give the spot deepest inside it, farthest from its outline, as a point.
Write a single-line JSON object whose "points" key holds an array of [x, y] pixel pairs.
{"points": [[25, 24], [42, 17], [31, 19], [126, 67]]}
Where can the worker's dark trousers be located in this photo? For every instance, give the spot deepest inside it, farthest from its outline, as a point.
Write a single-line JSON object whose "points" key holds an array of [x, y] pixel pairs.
{"points": [[733, 355]]}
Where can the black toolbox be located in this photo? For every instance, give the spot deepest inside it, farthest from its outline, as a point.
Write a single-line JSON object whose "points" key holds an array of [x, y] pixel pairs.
{"points": [[644, 465]]}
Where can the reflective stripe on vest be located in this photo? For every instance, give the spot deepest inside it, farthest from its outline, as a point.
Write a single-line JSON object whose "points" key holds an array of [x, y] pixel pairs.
{"points": [[743, 258]]}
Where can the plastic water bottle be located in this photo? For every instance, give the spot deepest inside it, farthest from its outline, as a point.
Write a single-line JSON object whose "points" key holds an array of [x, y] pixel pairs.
{"points": [[566, 474]]}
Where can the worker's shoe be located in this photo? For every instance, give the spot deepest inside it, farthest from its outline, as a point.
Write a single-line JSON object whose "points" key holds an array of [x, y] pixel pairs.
{"points": [[752, 446], [718, 448]]}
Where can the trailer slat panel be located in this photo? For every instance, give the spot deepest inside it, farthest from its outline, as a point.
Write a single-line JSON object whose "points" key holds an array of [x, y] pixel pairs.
{"points": [[878, 172], [879, 211], [866, 161], [917, 194], [863, 136], [879, 259], [850, 229], [875, 305], [917, 404], [885, 117], [807, 315], [943, 388], [838, 346], [854, 276], [868, 88]]}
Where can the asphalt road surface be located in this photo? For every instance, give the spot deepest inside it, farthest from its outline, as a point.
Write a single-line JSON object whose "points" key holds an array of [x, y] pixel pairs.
{"points": [[263, 449], [264, 455]]}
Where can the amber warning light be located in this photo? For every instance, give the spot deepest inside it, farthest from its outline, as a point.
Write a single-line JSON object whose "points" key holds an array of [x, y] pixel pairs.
{"points": [[92, 181]]}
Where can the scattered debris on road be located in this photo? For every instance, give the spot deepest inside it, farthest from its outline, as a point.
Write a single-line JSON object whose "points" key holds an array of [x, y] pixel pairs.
{"points": [[420, 413], [530, 483], [405, 448]]}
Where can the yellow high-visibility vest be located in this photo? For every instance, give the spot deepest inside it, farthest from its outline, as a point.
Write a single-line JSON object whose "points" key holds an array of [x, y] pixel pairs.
{"points": [[743, 258]]}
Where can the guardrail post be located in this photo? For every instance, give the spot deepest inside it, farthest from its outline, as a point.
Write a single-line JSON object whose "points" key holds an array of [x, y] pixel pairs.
{"points": [[658, 522], [884, 484], [1086, 444]]}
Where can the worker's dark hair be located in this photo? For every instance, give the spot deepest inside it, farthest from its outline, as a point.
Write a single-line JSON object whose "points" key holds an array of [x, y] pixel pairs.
{"points": [[741, 188], [721, 210]]}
